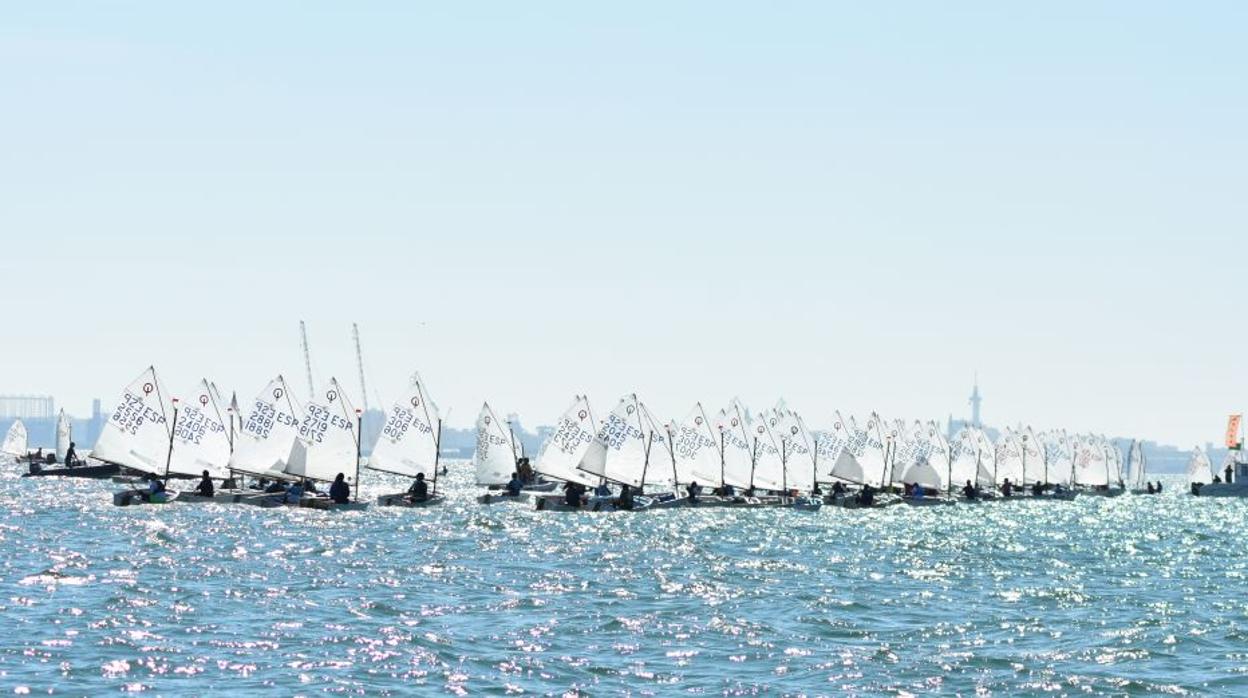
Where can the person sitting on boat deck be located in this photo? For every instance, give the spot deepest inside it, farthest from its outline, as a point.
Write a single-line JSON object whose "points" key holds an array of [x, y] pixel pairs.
{"points": [[1217, 480], [275, 487], [917, 491], [50, 459], [626, 498], [1007, 488], [968, 491], [39, 454], [1037, 489], [693, 491], [419, 491], [1159, 487], [154, 488], [838, 489], [524, 471], [572, 492], [1150, 488], [71, 456], [515, 485], [340, 492], [602, 490], [866, 496], [294, 493], [205, 488], [1228, 472]]}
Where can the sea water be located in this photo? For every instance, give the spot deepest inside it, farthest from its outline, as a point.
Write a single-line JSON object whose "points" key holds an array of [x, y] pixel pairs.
{"points": [[1126, 595]]}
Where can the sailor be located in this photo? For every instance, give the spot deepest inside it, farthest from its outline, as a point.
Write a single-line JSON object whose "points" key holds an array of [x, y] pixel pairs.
{"points": [[1150, 488], [515, 485], [525, 471], [154, 488], [838, 489], [917, 491], [419, 491], [39, 454], [572, 492], [294, 493], [866, 496], [694, 490], [205, 488], [602, 490], [275, 487], [1006, 488], [626, 498], [339, 491], [815, 491], [71, 456], [968, 491], [1228, 472], [1037, 489], [1159, 487]]}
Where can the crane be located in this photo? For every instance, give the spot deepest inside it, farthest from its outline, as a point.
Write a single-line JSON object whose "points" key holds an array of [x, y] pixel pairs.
{"points": [[307, 358], [359, 360]]}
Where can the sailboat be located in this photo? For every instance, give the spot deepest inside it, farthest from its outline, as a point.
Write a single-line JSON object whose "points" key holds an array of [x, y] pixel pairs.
{"points": [[736, 449], [202, 443], [928, 465], [1199, 469], [567, 444], [494, 459], [1010, 466], [328, 447], [264, 440], [1138, 468], [698, 457], [15, 441], [865, 462], [139, 435], [620, 453], [64, 438], [410, 444]]}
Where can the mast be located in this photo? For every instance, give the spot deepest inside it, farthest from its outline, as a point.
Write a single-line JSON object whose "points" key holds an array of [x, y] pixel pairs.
{"points": [[307, 358], [723, 483], [173, 430], [814, 458], [359, 425], [671, 441], [437, 457]]}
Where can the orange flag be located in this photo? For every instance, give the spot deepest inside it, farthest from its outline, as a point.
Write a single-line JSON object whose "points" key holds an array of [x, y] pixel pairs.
{"points": [[1232, 431]]}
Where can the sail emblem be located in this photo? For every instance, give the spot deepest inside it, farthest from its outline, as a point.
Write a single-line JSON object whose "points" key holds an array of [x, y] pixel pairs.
{"points": [[760, 428], [630, 409], [793, 430], [697, 420], [203, 400], [487, 420], [734, 421], [582, 414], [415, 402], [331, 396], [277, 393], [148, 388]]}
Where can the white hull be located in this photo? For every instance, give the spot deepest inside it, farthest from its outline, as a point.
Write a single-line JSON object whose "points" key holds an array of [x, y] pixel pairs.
{"points": [[399, 499], [503, 498]]}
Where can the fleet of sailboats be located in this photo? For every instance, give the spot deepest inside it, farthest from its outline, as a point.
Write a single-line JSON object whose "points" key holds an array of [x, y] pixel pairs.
{"points": [[743, 458]]}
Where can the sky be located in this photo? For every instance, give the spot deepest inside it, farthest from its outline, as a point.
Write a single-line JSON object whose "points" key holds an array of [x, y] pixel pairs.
{"points": [[853, 206]]}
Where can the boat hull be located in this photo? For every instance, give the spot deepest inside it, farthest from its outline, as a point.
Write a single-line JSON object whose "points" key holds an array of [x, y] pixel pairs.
{"points": [[127, 498], [399, 499], [1221, 489], [496, 498], [94, 472]]}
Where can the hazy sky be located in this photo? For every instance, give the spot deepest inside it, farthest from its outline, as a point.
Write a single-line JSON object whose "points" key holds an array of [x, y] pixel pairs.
{"points": [[848, 205]]}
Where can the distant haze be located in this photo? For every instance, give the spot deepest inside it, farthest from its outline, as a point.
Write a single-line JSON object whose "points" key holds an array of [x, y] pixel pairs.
{"points": [[852, 207]]}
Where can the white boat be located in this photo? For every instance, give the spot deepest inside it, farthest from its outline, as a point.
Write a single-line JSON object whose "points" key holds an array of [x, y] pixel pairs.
{"points": [[494, 458], [567, 445], [15, 441], [631, 449], [265, 438], [139, 435], [696, 450], [1138, 469], [409, 444], [736, 449]]}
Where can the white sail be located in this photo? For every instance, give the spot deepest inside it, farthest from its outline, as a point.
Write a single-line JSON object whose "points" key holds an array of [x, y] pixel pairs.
{"points": [[829, 445], [1138, 467], [737, 445], [964, 461], [1199, 469], [987, 457], [328, 442], [768, 467], [15, 441], [200, 441], [408, 443], [137, 433], [1059, 453], [64, 436], [494, 459], [265, 438], [1009, 452], [1035, 467], [863, 460], [798, 449], [1113, 462], [1090, 467], [696, 447], [618, 452], [660, 458], [926, 459], [567, 444]]}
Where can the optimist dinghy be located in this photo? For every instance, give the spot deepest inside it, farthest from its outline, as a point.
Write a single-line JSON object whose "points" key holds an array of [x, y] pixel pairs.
{"points": [[409, 444]]}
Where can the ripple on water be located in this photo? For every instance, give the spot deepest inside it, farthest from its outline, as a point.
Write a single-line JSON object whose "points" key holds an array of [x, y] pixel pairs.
{"points": [[1123, 595]]}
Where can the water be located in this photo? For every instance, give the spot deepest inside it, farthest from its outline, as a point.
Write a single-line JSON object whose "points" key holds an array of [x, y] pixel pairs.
{"points": [[1130, 595]]}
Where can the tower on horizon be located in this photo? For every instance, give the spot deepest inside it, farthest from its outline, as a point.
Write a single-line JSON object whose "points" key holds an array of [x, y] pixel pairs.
{"points": [[976, 399]]}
